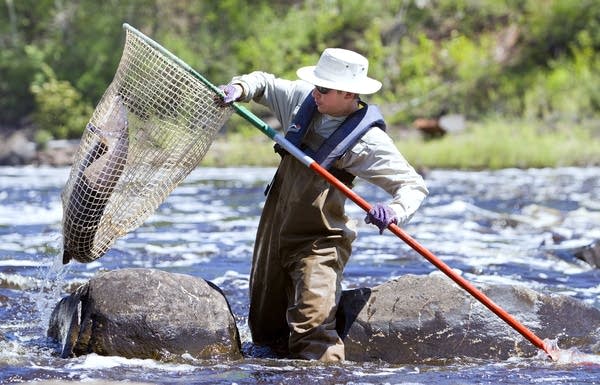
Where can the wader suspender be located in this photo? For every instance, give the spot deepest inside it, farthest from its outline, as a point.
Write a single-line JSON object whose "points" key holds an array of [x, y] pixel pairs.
{"points": [[340, 141]]}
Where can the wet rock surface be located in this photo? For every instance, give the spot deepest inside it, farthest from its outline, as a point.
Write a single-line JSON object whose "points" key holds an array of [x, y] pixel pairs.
{"points": [[429, 318], [146, 313], [590, 253]]}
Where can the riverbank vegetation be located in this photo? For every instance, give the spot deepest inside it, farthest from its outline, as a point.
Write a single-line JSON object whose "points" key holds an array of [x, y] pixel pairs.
{"points": [[490, 144], [524, 74], [500, 143]]}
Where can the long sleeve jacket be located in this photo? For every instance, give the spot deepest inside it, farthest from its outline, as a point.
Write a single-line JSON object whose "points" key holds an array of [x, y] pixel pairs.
{"points": [[374, 158]]}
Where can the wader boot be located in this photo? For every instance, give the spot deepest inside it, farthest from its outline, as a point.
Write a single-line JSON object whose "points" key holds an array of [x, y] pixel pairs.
{"points": [[303, 243]]}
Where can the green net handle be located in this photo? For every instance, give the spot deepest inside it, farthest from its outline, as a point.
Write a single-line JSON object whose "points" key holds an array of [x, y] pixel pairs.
{"points": [[239, 109]]}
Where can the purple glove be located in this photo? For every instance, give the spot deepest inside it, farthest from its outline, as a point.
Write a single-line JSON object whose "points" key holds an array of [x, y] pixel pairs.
{"points": [[231, 93], [381, 215]]}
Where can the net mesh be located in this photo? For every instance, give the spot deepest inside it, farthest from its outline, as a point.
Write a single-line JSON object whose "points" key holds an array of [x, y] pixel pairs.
{"points": [[152, 127]]}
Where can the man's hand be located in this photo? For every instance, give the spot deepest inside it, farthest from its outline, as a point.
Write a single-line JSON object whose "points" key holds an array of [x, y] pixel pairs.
{"points": [[381, 215], [232, 92]]}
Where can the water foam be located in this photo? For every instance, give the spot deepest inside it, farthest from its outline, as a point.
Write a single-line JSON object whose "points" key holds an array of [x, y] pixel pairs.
{"points": [[569, 356]]}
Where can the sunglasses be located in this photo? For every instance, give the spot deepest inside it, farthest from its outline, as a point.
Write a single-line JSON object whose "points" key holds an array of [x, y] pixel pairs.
{"points": [[322, 90]]}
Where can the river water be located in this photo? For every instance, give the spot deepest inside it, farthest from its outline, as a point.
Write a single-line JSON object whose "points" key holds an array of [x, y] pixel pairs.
{"points": [[509, 227]]}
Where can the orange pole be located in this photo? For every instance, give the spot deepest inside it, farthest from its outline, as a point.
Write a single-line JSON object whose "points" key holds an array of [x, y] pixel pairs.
{"points": [[481, 297]]}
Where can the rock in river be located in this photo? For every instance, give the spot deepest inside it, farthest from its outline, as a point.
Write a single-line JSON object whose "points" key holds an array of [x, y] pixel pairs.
{"points": [[416, 319], [146, 313], [590, 253]]}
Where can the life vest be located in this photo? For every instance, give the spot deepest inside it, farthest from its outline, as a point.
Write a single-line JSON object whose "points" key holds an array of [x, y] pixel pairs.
{"points": [[340, 141]]}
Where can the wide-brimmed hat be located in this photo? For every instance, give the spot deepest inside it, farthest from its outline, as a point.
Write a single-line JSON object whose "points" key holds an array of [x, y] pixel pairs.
{"points": [[341, 69]]}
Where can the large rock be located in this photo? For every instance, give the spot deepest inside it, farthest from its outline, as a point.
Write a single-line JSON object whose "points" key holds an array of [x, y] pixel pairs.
{"points": [[146, 313], [429, 318]]}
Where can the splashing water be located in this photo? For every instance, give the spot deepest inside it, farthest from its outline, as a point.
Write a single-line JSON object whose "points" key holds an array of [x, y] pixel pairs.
{"points": [[568, 356], [49, 288]]}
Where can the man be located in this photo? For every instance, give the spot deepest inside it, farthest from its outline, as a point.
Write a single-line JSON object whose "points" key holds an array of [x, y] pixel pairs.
{"points": [[304, 237]]}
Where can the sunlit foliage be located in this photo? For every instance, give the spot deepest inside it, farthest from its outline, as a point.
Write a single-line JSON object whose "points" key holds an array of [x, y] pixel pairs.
{"points": [[534, 59]]}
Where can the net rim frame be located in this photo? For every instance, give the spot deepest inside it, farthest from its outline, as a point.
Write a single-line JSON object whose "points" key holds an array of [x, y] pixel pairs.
{"points": [[175, 59]]}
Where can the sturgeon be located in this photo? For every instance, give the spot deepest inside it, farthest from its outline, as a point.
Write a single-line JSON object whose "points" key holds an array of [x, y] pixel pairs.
{"points": [[98, 174]]}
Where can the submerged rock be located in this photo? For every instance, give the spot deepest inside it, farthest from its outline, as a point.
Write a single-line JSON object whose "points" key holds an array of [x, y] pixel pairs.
{"points": [[590, 254], [146, 313], [429, 318]]}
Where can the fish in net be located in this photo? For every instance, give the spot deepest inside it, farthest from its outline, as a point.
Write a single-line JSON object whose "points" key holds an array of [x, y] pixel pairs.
{"points": [[152, 127]]}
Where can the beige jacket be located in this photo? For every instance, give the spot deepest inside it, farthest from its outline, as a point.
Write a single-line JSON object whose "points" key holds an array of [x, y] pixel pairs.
{"points": [[374, 158]]}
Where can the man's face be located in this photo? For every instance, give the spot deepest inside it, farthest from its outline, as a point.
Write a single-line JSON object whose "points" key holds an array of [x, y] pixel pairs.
{"points": [[334, 102]]}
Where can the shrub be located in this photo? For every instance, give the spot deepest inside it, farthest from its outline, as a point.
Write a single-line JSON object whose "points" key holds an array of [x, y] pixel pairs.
{"points": [[59, 107], [16, 70]]}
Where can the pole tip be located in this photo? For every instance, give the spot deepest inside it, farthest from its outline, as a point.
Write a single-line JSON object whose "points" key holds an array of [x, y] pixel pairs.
{"points": [[551, 348]]}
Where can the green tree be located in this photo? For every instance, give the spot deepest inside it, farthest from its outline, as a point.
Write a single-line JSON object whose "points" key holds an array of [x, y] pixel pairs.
{"points": [[476, 57]]}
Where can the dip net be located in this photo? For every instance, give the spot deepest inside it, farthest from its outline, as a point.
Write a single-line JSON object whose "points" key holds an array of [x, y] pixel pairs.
{"points": [[152, 127]]}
